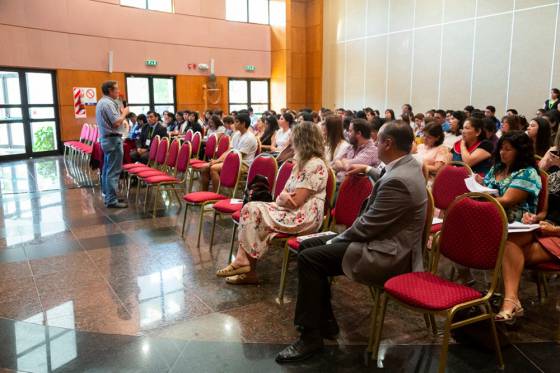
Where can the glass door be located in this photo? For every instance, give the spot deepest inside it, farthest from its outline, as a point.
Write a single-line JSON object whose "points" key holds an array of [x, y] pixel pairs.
{"points": [[28, 115]]}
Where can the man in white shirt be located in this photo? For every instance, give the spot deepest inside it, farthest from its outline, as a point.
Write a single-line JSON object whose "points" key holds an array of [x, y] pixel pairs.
{"points": [[244, 141]]}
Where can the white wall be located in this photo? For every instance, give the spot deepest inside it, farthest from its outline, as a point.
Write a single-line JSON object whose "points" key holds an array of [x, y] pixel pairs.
{"points": [[440, 53]]}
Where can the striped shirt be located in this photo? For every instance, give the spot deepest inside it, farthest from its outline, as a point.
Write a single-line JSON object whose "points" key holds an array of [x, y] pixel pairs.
{"points": [[364, 154]]}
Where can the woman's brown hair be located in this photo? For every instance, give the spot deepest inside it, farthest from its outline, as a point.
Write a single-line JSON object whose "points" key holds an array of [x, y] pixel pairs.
{"points": [[335, 133]]}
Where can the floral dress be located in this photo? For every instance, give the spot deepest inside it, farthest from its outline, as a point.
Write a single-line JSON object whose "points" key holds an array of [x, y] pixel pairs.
{"points": [[527, 180], [261, 221]]}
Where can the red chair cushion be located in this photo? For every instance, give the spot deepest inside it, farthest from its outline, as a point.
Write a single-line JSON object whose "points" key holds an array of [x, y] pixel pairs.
{"points": [[236, 216], [200, 197], [138, 169], [282, 236], [148, 173], [195, 161], [132, 165], [156, 179], [428, 291], [552, 266], [226, 207], [436, 228], [293, 244], [199, 166]]}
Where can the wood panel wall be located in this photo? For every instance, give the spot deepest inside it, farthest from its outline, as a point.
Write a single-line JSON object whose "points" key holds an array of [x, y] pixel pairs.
{"points": [[189, 94]]}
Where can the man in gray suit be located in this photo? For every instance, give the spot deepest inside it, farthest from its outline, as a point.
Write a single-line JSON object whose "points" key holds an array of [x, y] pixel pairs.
{"points": [[384, 241]]}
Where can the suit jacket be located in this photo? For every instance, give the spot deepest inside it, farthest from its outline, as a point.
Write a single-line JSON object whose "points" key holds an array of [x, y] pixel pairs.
{"points": [[148, 133], [386, 239]]}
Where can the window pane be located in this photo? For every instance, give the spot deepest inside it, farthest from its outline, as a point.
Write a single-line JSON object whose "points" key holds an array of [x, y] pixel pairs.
{"points": [[43, 136], [41, 112], [161, 5], [12, 140], [134, 3], [258, 109], [138, 90], [238, 91], [163, 91], [161, 108], [258, 11], [139, 109], [237, 107], [259, 91], [10, 114], [236, 10], [39, 88], [9, 88]]}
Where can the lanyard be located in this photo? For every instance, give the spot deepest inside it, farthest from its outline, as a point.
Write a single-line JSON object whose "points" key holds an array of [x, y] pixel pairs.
{"points": [[151, 132]]}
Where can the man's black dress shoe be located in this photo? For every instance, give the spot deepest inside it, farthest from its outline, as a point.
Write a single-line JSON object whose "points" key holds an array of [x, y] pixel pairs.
{"points": [[299, 351]]}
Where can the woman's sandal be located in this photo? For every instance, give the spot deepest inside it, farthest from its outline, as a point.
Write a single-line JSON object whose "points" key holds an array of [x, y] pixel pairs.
{"points": [[509, 316], [243, 279], [230, 270]]}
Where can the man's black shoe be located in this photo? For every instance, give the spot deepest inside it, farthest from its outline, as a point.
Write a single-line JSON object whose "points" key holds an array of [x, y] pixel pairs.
{"points": [[330, 329], [299, 351], [117, 205]]}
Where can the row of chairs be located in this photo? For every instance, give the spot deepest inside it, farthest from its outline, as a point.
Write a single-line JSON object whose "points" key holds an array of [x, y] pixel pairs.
{"points": [[78, 153]]}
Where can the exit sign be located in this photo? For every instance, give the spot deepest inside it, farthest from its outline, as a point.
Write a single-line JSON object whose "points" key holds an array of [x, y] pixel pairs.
{"points": [[151, 62], [250, 68]]}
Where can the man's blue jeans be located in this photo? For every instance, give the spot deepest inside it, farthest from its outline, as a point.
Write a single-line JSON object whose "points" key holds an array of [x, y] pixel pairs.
{"points": [[112, 167]]}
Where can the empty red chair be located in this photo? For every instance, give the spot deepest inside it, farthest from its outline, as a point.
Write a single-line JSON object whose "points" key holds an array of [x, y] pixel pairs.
{"points": [[175, 179], [473, 234], [68, 145], [449, 183], [209, 152], [188, 135], [264, 165], [229, 178]]}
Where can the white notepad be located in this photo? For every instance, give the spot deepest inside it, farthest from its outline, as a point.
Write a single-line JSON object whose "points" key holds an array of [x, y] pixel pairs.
{"points": [[474, 186], [518, 227]]}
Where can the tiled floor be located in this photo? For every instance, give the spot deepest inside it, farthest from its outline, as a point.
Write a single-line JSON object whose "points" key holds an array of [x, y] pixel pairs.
{"points": [[87, 288]]}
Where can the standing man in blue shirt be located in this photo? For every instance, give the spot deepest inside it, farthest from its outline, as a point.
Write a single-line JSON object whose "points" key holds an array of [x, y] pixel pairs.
{"points": [[109, 118]]}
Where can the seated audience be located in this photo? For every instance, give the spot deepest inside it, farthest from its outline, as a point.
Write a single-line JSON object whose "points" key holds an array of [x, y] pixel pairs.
{"points": [[215, 126], [432, 154], [539, 133], [553, 101], [333, 133], [511, 112], [193, 122], [419, 125], [169, 122], [523, 249], [468, 111], [135, 125], [179, 121], [509, 123], [244, 141], [456, 120], [490, 132], [384, 241], [282, 135], [473, 149], [143, 142], [229, 125], [370, 114], [297, 210], [389, 115], [258, 130], [551, 164], [553, 117], [362, 151], [270, 128], [515, 175], [490, 112]]}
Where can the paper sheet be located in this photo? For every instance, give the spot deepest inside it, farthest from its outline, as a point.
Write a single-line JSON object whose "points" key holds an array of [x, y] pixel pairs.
{"points": [[474, 186]]}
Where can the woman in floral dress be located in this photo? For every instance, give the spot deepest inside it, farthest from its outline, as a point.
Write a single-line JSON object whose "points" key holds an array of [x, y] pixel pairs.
{"points": [[298, 209]]}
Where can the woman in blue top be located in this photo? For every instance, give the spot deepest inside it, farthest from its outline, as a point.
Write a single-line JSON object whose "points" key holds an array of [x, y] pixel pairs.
{"points": [[515, 175], [474, 149]]}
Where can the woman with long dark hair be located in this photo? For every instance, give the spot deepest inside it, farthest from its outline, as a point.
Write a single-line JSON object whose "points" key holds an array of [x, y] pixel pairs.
{"points": [[270, 128], [335, 144], [474, 149], [539, 133]]}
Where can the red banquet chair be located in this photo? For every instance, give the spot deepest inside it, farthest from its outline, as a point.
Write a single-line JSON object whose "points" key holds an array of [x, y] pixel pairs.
{"points": [[473, 234], [223, 145], [138, 165], [69, 145], [229, 178], [188, 135], [158, 164], [196, 143], [449, 183], [170, 181], [264, 165], [281, 179]]}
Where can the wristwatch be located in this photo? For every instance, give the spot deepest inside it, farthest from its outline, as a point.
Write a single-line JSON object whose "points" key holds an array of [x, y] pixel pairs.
{"points": [[368, 169]]}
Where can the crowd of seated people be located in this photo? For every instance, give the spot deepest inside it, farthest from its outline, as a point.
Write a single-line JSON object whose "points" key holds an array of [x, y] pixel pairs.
{"points": [[506, 154]]}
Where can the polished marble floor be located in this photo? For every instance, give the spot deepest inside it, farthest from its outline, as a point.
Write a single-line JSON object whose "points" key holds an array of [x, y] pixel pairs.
{"points": [[84, 288]]}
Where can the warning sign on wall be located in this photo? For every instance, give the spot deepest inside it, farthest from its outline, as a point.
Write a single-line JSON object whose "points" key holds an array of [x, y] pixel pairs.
{"points": [[89, 95]]}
